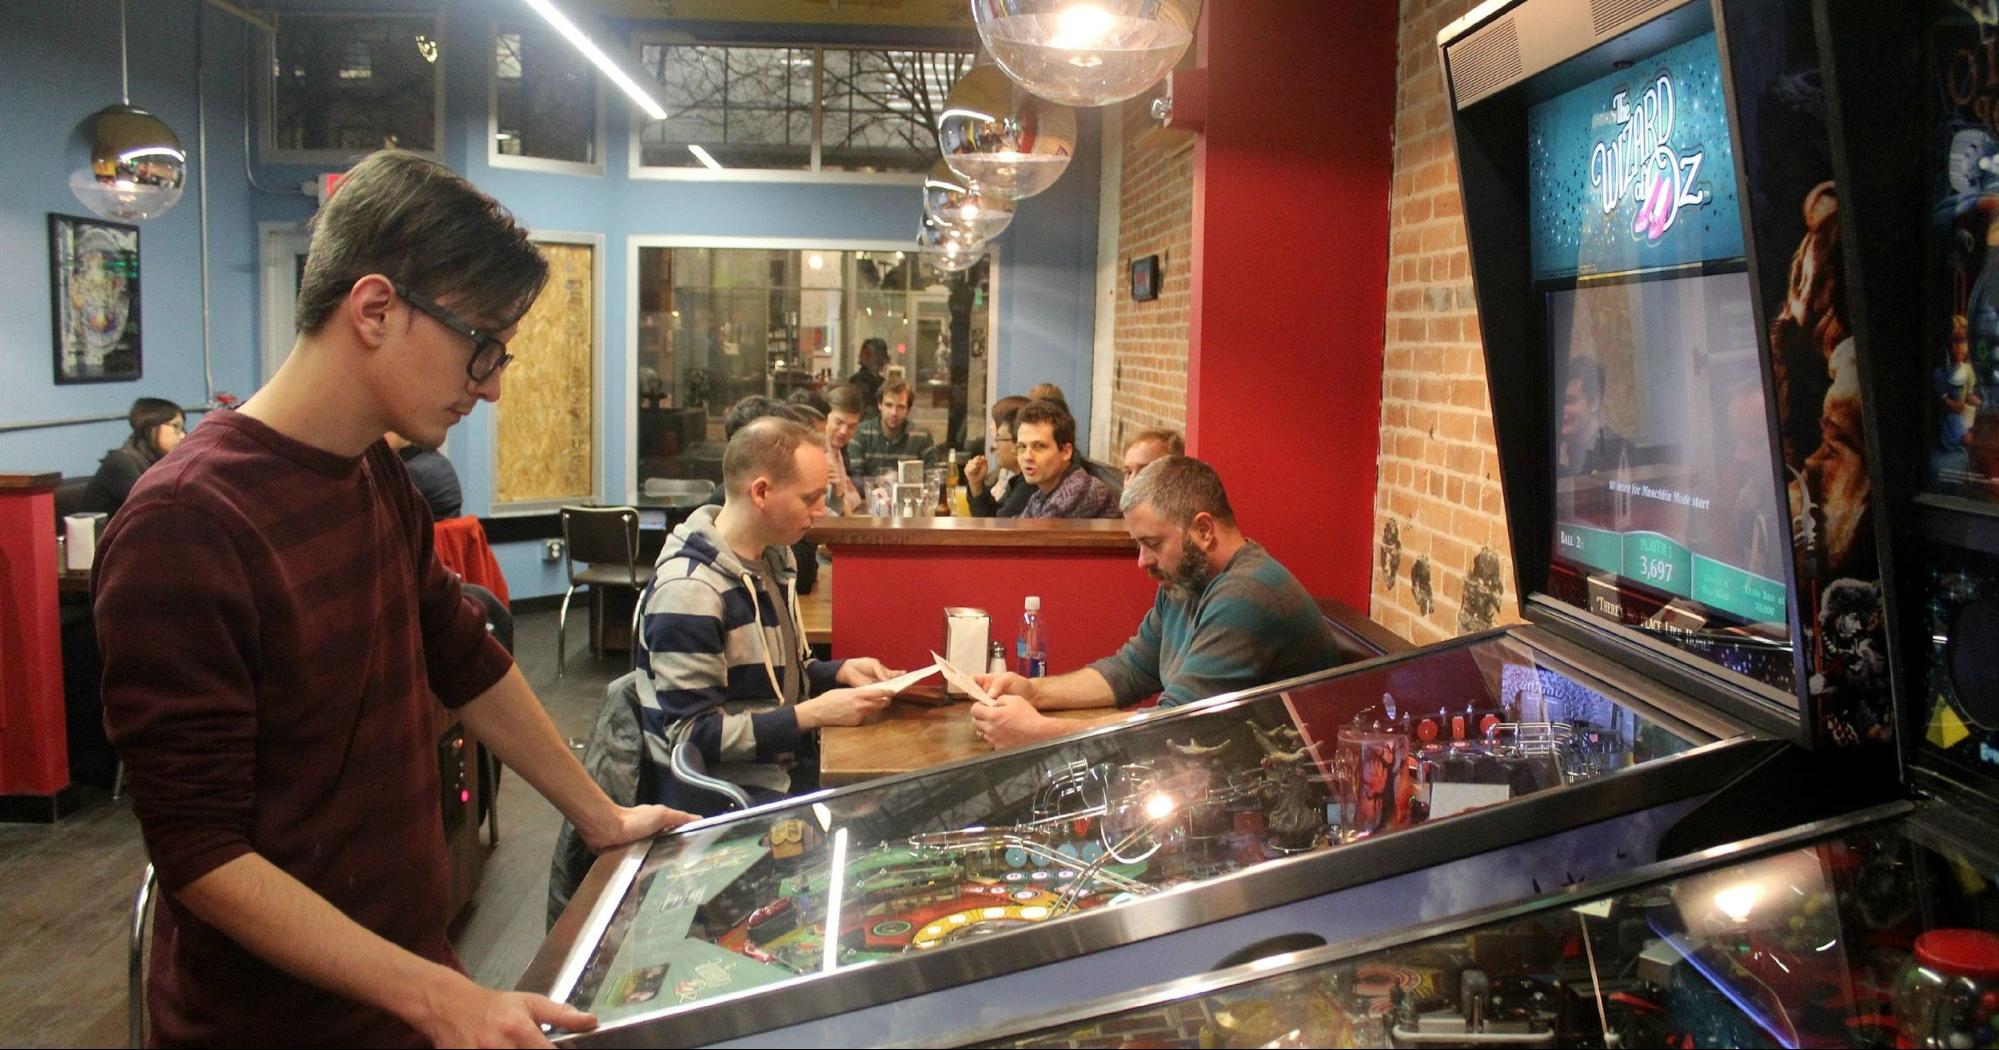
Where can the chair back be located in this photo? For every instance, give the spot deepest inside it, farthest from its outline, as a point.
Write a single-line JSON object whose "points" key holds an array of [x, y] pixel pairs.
{"points": [[73, 497], [679, 492], [607, 535], [499, 619]]}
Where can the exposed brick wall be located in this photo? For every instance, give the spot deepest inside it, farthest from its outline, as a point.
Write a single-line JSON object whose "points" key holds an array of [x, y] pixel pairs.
{"points": [[1155, 217], [1439, 513]]}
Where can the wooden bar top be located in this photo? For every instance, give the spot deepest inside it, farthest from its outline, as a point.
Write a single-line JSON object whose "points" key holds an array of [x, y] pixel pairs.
{"points": [[1034, 533], [917, 736], [32, 481]]}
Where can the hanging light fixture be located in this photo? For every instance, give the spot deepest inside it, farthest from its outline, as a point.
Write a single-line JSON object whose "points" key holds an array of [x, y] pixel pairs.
{"points": [[954, 200], [1086, 52], [949, 247], [136, 166], [1004, 139]]}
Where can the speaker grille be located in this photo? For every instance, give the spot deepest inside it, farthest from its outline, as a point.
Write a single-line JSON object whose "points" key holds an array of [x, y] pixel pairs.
{"points": [[1487, 61], [1606, 15]]}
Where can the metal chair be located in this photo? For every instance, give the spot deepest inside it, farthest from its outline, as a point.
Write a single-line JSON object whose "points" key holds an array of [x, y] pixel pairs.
{"points": [[499, 624], [135, 962], [605, 542]]}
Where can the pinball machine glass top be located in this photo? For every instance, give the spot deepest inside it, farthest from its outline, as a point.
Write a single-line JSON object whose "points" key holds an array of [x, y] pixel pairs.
{"points": [[1668, 516]]}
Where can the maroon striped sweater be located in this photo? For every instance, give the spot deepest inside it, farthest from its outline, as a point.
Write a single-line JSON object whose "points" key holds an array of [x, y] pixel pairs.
{"points": [[273, 624]]}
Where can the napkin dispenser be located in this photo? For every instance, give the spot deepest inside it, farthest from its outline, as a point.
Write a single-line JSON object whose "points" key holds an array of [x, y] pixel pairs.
{"points": [[967, 633], [80, 539]]}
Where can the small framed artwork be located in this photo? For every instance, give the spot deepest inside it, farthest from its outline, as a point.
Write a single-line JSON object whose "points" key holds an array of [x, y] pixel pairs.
{"points": [[1145, 279], [94, 286]]}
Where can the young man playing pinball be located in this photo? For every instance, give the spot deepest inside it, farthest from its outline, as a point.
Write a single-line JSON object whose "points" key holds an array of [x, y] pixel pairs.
{"points": [[274, 626]]}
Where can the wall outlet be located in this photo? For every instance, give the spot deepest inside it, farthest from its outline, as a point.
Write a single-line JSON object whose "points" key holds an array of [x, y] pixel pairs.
{"points": [[551, 550]]}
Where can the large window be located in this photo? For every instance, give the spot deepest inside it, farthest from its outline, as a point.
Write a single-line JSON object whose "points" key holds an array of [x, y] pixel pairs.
{"points": [[796, 108], [544, 102], [717, 324], [342, 84]]}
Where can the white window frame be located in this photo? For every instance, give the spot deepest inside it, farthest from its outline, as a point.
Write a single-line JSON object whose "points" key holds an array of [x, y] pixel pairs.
{"points": [[636, 124], [267, 150], [634, 243], [524, 508], [496, 159]]}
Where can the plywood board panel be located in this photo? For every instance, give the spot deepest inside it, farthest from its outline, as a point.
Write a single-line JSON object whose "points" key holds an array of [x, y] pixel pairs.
{"points": [[546, 421]]}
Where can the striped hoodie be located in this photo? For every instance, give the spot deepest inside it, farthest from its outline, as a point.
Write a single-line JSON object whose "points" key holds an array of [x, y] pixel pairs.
{"points": [[728, 657]]}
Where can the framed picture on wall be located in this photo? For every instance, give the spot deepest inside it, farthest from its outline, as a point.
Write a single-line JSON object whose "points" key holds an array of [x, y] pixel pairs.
{"points": [[1145, 279], [94, 286]]}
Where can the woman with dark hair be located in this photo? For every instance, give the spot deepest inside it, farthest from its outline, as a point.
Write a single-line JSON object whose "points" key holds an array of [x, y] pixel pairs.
{"points": [[157, 426]]}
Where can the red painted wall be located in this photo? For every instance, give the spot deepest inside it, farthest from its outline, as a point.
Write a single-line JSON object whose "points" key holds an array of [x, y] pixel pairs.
{"points": [[34, 745], [890, 601], [1292, 176]]}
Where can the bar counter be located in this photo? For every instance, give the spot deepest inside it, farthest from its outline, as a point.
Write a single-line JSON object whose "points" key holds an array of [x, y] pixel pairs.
{"points": [[898, 575]]}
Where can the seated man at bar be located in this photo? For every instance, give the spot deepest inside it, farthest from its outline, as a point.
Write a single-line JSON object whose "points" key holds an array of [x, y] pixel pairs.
{"points": [[1227, 616], [731, 669], [887, 439], [1148, 445], [998, 493], [844, 408], [1045, 444]]}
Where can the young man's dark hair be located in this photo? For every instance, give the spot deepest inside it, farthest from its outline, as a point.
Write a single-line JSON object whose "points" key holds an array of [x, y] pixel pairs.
{"points": [[754, 406], [894, 387], [874, 348], [1005, 407], [1061, 424], [847, 398], [401, 221]]}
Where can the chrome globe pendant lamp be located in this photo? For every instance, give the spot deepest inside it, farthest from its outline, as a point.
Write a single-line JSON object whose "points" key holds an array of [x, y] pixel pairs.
{"points": [[136, 166], [954, 200], [949, 247], [1007, 141], [1086, 52]]}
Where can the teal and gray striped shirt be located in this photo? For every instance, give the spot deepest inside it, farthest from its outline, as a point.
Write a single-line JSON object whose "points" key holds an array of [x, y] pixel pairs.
{"points": [[1252, 624]]}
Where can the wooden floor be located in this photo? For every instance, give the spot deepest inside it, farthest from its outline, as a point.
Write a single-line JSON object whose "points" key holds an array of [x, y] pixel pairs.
{"points": [[66, 890]]}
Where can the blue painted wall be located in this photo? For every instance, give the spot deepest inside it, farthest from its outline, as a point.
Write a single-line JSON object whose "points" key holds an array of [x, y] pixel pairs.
{"points": [[58, 73]]}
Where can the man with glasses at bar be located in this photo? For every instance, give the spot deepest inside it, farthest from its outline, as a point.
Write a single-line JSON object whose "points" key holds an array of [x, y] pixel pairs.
{"points": [[274, 624]]}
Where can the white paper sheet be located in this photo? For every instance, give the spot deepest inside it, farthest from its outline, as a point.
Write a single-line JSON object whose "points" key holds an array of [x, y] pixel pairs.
{"points": [[962, 680]]}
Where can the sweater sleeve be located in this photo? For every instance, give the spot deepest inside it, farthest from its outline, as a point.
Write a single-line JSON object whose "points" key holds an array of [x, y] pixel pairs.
{"points": [[177, 627], [1133, 671]]}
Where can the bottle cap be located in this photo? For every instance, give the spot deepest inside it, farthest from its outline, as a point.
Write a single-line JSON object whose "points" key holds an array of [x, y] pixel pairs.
{"points": [[1033, 603], [1960, 953]]}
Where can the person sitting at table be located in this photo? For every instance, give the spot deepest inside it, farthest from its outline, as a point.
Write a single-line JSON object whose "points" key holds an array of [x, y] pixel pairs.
{"points": [[754, 407], [1047, 392], [432, 475], [868, 377], [1148, 445], [844, 408], [888, 438], [721, 634], [157, 427], [998, 493], [1045, 443], [1227, 616]]}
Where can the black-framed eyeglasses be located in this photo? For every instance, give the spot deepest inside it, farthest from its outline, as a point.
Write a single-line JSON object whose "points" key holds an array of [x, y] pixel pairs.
{"points": [[489, 354]]}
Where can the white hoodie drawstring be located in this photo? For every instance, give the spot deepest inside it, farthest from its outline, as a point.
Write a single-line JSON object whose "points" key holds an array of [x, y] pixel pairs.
{"points": [[763, 647]]}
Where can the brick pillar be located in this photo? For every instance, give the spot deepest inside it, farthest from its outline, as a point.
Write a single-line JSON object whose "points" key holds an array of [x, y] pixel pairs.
{"points": [[1439, 516]]}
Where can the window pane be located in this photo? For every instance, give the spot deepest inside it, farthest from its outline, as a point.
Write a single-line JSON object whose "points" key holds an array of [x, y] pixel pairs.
{"points": [[354, 83], [881, 107], [546, 97], [749, 107]]}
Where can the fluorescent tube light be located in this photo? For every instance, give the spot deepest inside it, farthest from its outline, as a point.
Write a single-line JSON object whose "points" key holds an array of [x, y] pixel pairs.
{"points": [[582, 42], [702, 156]]}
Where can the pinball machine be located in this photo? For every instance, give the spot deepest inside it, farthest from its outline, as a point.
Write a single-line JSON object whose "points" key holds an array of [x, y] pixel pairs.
{"points": [[1874, 156], [1653, 221]]}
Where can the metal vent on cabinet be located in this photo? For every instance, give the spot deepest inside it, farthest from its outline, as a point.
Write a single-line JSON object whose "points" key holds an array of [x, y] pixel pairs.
{"points": [[1607, 15], [1486, 61]]}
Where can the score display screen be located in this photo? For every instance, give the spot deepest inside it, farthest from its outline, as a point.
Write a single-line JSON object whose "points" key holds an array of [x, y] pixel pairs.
{"points": [[1667, 513]]}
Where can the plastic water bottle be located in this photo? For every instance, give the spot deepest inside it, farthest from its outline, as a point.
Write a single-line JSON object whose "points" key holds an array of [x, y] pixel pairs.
{"points": [[1031, 644]]}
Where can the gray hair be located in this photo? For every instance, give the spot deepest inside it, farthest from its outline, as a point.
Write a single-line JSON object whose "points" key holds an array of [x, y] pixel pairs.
{"points": [[1178, 488]]}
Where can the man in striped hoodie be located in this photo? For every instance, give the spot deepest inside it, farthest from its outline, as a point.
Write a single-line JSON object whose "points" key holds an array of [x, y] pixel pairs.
{"points": [[730, 666]]}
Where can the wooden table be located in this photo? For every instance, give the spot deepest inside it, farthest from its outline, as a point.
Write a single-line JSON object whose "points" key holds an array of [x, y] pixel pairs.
{"points": [[918, 736]]}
